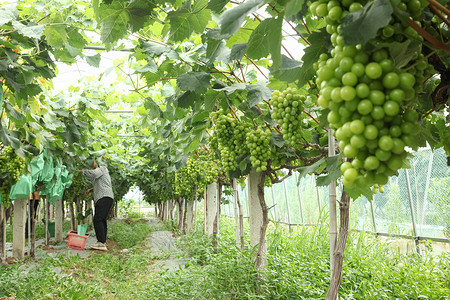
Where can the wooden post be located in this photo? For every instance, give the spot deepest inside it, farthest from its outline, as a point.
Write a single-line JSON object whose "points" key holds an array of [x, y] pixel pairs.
{"points": [[20, 213], [211, 207], [59, 220]]}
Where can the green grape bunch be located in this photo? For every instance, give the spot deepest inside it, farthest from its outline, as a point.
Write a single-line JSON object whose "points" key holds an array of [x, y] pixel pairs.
{"points": [[77, 188], [11, 167], [230, 136], [259, 144], [287, 111], [371, 101]]}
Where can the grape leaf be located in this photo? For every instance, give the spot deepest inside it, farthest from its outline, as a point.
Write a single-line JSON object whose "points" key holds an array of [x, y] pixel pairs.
{"points": [[238, 50], [320, 43], [289, 70], [194, 81], [265, 39], [356, 191], [362, 25], [258, 92], [401, 53], [114, 21], [232, 19], [303, 171], [189, 18], [217, 5], [186, 99], [154, 49], [93, 60], [217, 51], [333, 170], [140, 12], [8, 13], [277, 139], [31, 30], [293, 7]]}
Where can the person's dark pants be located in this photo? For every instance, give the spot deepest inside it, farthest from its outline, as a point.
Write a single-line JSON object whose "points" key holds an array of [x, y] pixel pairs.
{"points": [[102, 208]]}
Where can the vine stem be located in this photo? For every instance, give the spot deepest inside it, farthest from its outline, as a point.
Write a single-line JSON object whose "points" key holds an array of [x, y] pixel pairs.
{"points": [[428, 36], [278, 130], [267, 102], [293, 27], [268, 126], [428, 113], [242, 71], [206, 148], [315, 120], [437, 13], [259, 108], [256, 66], [234, 114], [440, 6]]}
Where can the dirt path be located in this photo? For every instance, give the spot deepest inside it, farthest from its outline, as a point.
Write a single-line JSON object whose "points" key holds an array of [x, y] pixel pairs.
{"points": [[162, 243]]}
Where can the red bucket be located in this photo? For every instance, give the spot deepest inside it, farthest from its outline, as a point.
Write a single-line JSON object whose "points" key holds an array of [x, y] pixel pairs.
{"points": [[76, 241]]}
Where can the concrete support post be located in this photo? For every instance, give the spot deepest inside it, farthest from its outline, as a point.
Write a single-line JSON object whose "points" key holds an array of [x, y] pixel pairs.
{"points": [[255, 211], [287, 205], [59, 220], [332, 204], [20, 213], [413, 217], [189, 217], [211, 207], [2, 232], [90, 218]]}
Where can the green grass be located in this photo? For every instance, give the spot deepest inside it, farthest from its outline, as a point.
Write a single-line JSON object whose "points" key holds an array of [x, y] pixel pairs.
{"points": [[298, 268], [129, 234]]}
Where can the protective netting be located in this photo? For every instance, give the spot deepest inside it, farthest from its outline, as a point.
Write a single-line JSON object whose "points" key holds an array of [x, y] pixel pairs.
{"points": [[426, 201]]}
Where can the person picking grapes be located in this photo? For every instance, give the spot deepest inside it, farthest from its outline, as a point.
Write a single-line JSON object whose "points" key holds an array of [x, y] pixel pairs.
{"points": [[103, 199]]}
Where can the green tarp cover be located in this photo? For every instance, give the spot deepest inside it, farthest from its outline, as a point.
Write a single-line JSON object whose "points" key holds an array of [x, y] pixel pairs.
{"points": [[37, 166], [48, 171], [22, 189]]}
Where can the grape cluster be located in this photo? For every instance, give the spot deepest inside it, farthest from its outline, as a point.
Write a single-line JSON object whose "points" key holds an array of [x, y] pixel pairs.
{"points": [[77, 188], [258, 143], [199, 171], [287, 112], [230, 138], [11, 167], [369, 98]]}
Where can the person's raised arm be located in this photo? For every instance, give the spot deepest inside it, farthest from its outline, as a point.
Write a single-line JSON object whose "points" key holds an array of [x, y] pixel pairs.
{"points": [[92, 174]]}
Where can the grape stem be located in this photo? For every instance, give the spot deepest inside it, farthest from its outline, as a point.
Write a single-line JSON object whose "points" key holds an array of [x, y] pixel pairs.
{"points": [[428, 113], [314, 119], [268, 126], [277, 129], [256, 66], [234, 114], [260, 110], [242, 71], [315, 146]]}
